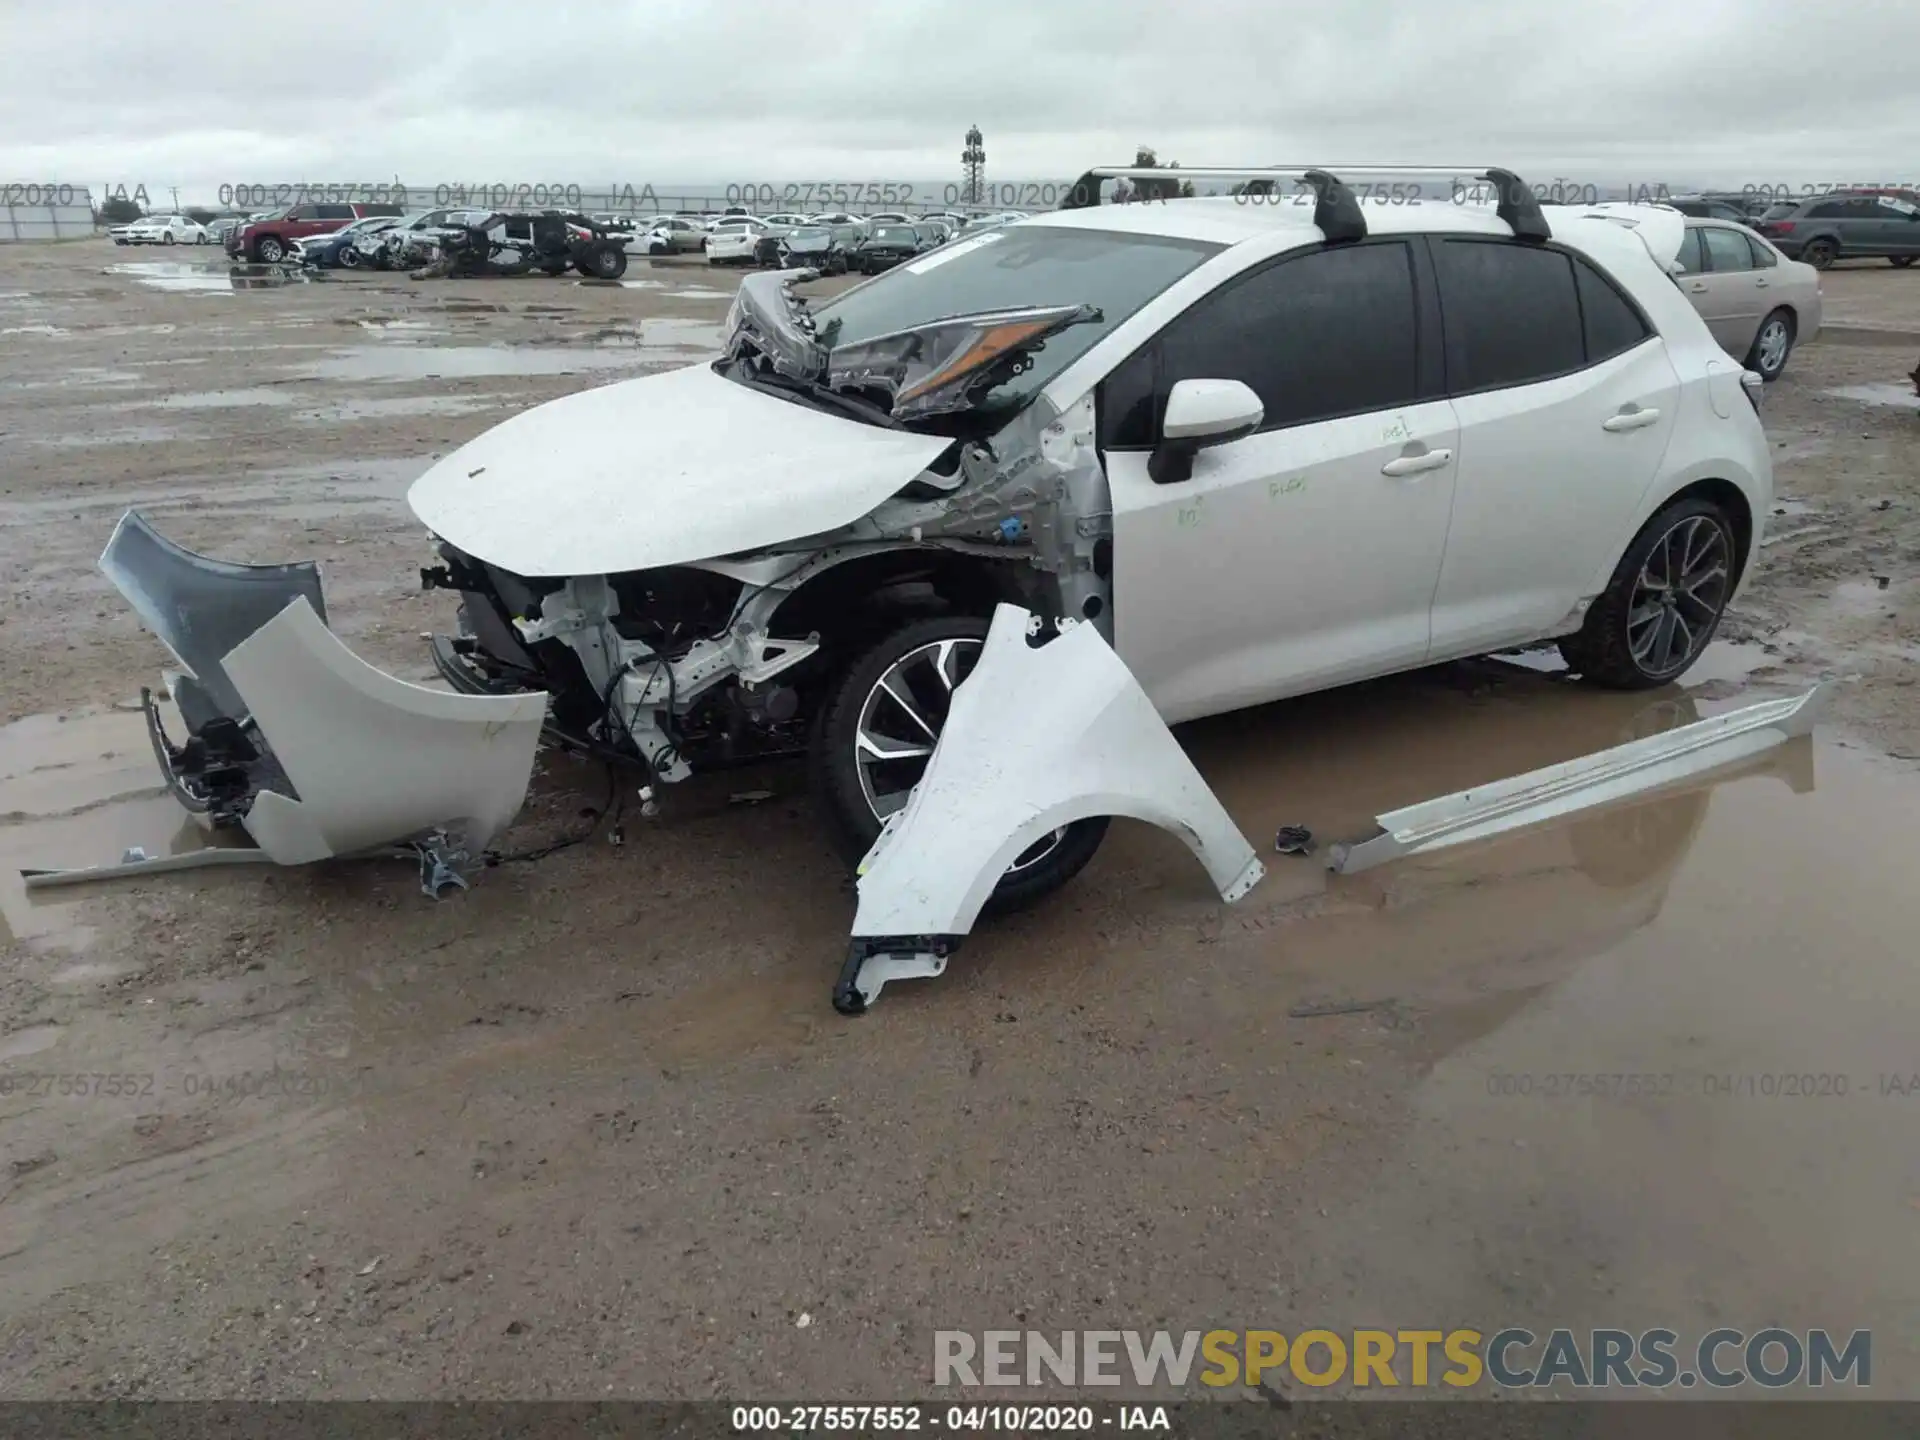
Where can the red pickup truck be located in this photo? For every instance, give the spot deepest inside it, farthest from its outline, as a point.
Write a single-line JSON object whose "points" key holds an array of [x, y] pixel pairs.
{"points": [[269, 241]]}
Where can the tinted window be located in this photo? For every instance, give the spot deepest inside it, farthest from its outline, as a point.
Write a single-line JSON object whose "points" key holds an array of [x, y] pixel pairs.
{"points": [[1692, 255], [303, 212], [1778, 212], [1726, 249], [1512, 314], [1827, 210], [1611, 324], [1330, 333]]}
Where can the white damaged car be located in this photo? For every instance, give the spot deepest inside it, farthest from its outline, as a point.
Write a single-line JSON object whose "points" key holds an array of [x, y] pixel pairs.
{"points": [[1261, 448]]}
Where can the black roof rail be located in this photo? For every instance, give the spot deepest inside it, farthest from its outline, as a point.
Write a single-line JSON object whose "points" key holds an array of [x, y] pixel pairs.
{"points": [[1336, 210]]}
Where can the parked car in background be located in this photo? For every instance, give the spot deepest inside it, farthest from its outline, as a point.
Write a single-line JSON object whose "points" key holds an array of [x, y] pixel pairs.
{"points": [[673, 235], [1846, 225], [269, 241], [735, 242], [936, 232], [783, 222], [410, 238], [1757, 302], [349, 247], [1709, 207], [884, 246], [826, 248], [162, 230]]}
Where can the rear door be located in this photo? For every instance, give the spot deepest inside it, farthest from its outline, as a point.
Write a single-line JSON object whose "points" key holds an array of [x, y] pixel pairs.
{"points": [[1566, 401], [1897, 225], [1727, 296], [1305, 555]]}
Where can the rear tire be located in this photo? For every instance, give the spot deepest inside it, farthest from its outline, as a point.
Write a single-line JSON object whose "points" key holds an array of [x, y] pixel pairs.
{"points": [[1664, 587], [1900, 262], [1820, 253], [1772, 345], [842, 788]]}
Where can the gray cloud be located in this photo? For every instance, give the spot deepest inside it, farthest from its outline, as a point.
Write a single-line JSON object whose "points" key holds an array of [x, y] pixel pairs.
{"points": [[665, 91]]}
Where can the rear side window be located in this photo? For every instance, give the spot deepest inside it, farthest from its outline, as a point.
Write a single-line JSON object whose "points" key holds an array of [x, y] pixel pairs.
{"points": [[1611, 325], [1727, 250], [336, 212], [1827, 210], [1325, 334], [1512, 314], [1762, 256]]}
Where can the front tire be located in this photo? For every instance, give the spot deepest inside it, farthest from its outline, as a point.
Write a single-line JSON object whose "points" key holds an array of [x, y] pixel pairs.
{"points": [[875, 733], [1660, 610], [269, 251]]}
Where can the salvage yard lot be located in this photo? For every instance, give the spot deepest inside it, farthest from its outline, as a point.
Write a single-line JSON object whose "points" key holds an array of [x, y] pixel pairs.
{"points": [[592, 1128]]}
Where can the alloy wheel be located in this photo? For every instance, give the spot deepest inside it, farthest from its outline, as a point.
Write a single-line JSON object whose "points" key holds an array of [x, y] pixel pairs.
{"points": [[900, 722], [1678, 597], [1772, 349]]}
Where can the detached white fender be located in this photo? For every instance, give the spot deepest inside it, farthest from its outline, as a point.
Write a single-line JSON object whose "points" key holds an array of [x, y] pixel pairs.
{"points": [[1036, 738], [374, 759]]}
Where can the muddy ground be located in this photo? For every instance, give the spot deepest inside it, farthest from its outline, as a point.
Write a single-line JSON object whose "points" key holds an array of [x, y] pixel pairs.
{"points": [[593, 1129]]}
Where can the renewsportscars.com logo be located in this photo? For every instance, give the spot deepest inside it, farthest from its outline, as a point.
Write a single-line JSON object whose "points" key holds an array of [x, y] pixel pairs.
{"points": [[1511, 1358]]}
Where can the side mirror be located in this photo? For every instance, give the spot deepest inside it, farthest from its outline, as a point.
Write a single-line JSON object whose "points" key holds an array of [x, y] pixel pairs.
{"points": [[1201, 413]]}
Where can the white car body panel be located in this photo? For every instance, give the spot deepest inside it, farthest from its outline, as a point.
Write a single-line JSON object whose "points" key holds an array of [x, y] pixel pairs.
{"points": [[1288, 562], [732, 244], [1083, 741], [374, 759], [664, 469], [1547, 498]]}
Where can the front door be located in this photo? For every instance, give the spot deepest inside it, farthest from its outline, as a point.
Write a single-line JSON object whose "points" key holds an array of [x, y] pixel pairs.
{"points": [[1303, 556]]}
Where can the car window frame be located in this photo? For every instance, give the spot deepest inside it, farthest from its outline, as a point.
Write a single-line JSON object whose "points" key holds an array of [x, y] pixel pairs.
{"points": [[1765, 257], [1427, 342], [1576, 259], [1706, 251]]}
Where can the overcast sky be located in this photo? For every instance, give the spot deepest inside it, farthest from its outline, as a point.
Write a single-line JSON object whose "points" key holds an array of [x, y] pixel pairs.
{"points": [[1727, 92]]}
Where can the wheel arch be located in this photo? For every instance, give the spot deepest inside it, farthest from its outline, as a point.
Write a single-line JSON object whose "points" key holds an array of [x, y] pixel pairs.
{"points": [[1731, 499], [876, 587]]}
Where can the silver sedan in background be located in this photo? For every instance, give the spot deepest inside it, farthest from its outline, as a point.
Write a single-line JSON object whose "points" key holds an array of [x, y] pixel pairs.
{"points": [[1757, 302]]}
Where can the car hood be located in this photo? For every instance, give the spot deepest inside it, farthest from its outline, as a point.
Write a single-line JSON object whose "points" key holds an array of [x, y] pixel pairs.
{"points": [[665, 469]]}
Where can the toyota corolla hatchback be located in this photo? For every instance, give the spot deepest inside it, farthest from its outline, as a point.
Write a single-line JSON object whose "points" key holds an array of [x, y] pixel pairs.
{"points": [[1266, 448]]}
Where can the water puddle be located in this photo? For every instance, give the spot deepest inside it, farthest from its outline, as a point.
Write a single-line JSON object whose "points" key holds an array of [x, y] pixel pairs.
{"points": [[19, 1044], [1659, 1039], [75, 791], [180, 277], [699, 293], [1724, 661], [460, 362], [353, 408], [122, 435], [1897, 397], [623, 284], [49, 331], [224, 399]]}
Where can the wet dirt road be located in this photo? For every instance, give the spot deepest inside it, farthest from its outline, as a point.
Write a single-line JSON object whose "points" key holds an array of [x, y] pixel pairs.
{"points": [[592, 1128]]}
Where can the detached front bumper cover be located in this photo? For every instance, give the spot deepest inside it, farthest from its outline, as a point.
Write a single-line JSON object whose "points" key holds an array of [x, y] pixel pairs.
{"points": [[1037, 738], [295, 739]]}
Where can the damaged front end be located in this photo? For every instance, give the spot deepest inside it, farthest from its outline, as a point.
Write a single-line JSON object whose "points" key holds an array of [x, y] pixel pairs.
{"points": [[292, 738]]}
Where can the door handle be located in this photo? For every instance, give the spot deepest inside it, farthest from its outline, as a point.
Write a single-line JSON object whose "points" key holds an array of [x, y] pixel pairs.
{"points": [[1761, 283], [1699, 287], [1630, 420], [1417, 464]]}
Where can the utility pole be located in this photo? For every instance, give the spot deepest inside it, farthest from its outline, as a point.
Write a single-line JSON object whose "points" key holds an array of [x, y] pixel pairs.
{"points": [[974, 158], [176, 198]]}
